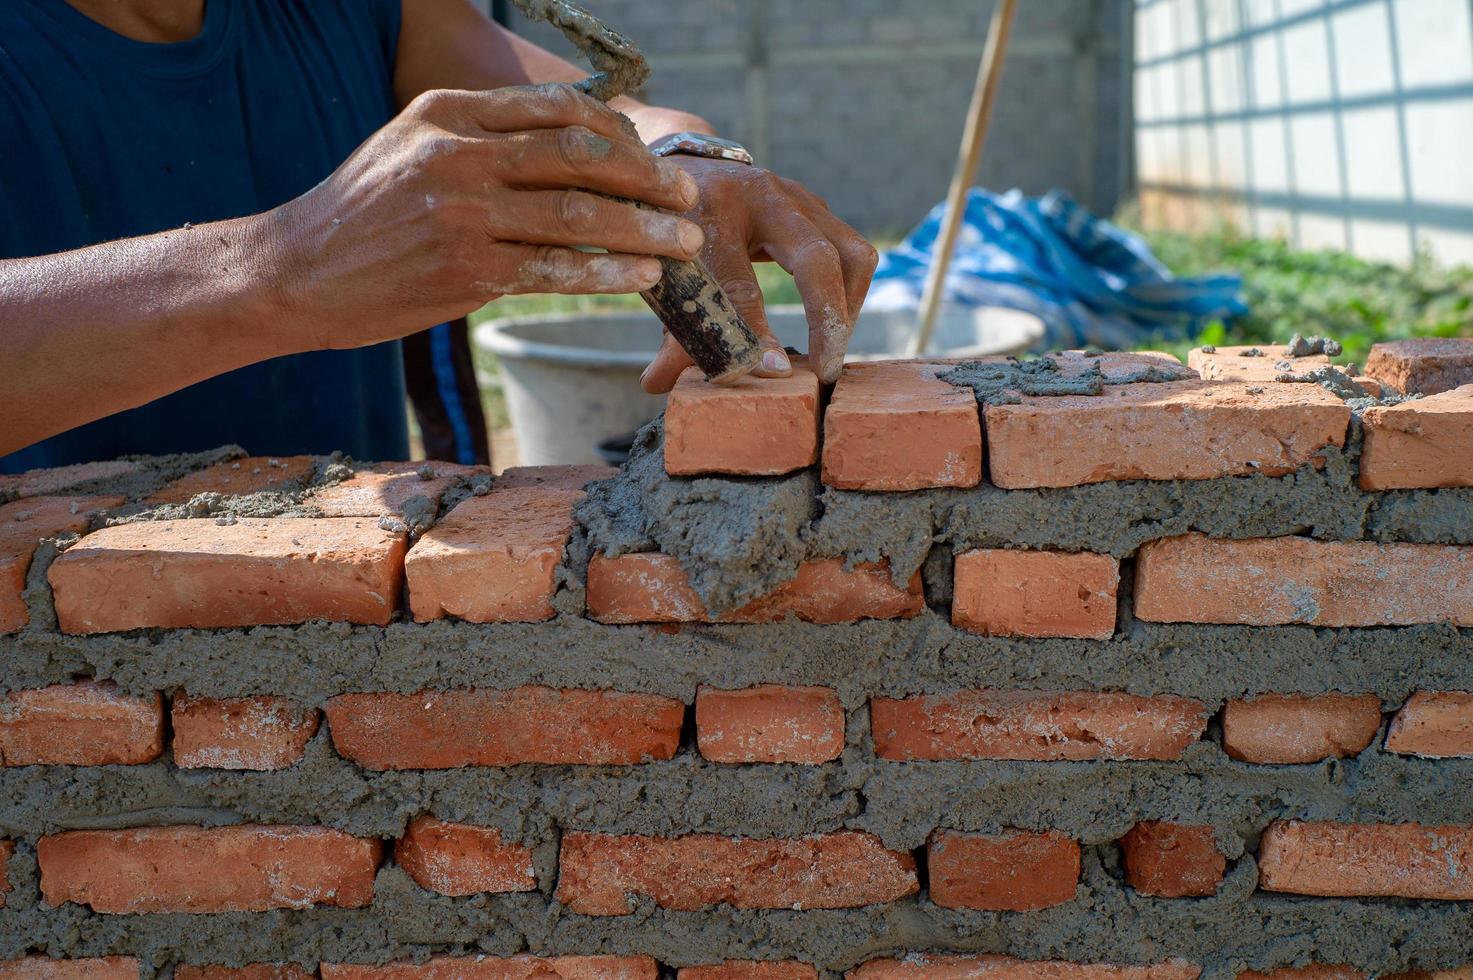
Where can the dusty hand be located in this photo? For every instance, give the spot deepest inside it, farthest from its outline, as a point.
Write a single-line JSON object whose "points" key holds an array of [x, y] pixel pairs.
{"points": [[466, 196], [751, 214]]}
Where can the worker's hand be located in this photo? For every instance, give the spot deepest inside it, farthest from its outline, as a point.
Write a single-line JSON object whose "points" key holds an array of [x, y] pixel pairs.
{"points": [[750, 214], [466, 196]]}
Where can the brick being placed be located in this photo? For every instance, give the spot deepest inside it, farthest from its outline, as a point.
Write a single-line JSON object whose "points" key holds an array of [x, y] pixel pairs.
{"points": [[672, 713]]}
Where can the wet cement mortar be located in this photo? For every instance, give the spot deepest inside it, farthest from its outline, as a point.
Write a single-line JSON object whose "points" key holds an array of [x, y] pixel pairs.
{"points": [[738, 538]]}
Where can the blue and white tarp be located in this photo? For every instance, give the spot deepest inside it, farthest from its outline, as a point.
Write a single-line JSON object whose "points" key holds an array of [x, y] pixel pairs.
{"points": [[1089, 281]]}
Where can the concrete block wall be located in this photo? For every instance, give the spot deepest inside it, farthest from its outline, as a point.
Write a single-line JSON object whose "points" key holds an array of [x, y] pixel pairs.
{"points": [[1128, 670], [863, 100]]}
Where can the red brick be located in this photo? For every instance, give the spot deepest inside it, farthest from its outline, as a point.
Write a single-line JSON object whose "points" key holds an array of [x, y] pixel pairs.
{"points": [[493, 558], [1423, 443], [1401, 860], [755, 427], [927, 966], [1172, 860], [1014, 871], [653, 588], [382, 489], [23, 525], [202, 574], [599, 872], [459, 859], [240, 733], [1315, 971], [1288, 729], [256, 971], [1275, 581], [750, 970], [61, 479], [42, 968], [7, 851], [1035, 593], [208, 869], [1433, 725], [1425, 365], [238, 477], [513, 968], [892, 425], [1180, 430], [448, 729], [83, 724], [770, 723], [571, 477], [1229, 364], [1031, 725]]}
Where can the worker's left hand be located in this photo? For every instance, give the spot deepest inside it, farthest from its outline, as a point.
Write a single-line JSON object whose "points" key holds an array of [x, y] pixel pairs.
{"points": [[749, 215]]}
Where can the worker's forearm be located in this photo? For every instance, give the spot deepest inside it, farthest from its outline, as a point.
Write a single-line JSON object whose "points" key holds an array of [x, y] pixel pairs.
{"points": [[102, 329]]}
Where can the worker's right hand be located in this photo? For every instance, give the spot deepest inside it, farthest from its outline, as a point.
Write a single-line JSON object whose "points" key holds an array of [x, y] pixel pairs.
{"points": [[466, 196]]}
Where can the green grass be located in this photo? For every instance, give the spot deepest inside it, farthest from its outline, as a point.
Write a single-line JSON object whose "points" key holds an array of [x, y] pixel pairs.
{"points": [[1359, 303]]}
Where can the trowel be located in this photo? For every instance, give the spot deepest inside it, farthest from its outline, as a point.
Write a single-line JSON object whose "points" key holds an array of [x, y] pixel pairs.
{"points": [[687, 299]]}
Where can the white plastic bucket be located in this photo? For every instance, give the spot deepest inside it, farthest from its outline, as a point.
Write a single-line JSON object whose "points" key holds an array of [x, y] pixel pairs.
{"points": [[572, 379]]}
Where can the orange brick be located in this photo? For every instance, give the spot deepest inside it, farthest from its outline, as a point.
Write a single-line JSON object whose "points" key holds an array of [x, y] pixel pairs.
{"points": [[459, 859], [61, 479], [1229, 364], [1180, 430], [382, 489], [42, 968], [1030, 725], [770, 723], [1035, 593], [256, 971], [207, 869], [1423, 443], [891, 425], [7, 851], [238, 477], [926, 966], [1172, 860], [755, 427], [513, 968], [199, 573], [1014, 871], [1274, 581], [749, 970], [1287, 729], [448, 729], [83, 724], [1425, 365], [1433, 725], [240, 733], [1315, 971], [23, 525], [1401, 860], [653, 588], [597, 873], [571, 477], [493, 558]]}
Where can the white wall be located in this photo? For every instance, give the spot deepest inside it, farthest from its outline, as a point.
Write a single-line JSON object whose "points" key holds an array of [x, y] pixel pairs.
{"points": [[1343, 124]]}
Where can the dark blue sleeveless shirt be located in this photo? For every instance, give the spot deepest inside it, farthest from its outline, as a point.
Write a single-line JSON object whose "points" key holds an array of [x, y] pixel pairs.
{"points": [[104, 137]]}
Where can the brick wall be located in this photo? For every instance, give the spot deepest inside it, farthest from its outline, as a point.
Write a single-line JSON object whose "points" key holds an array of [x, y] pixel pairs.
{"points": [[1150, 683], [847, 96]]}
